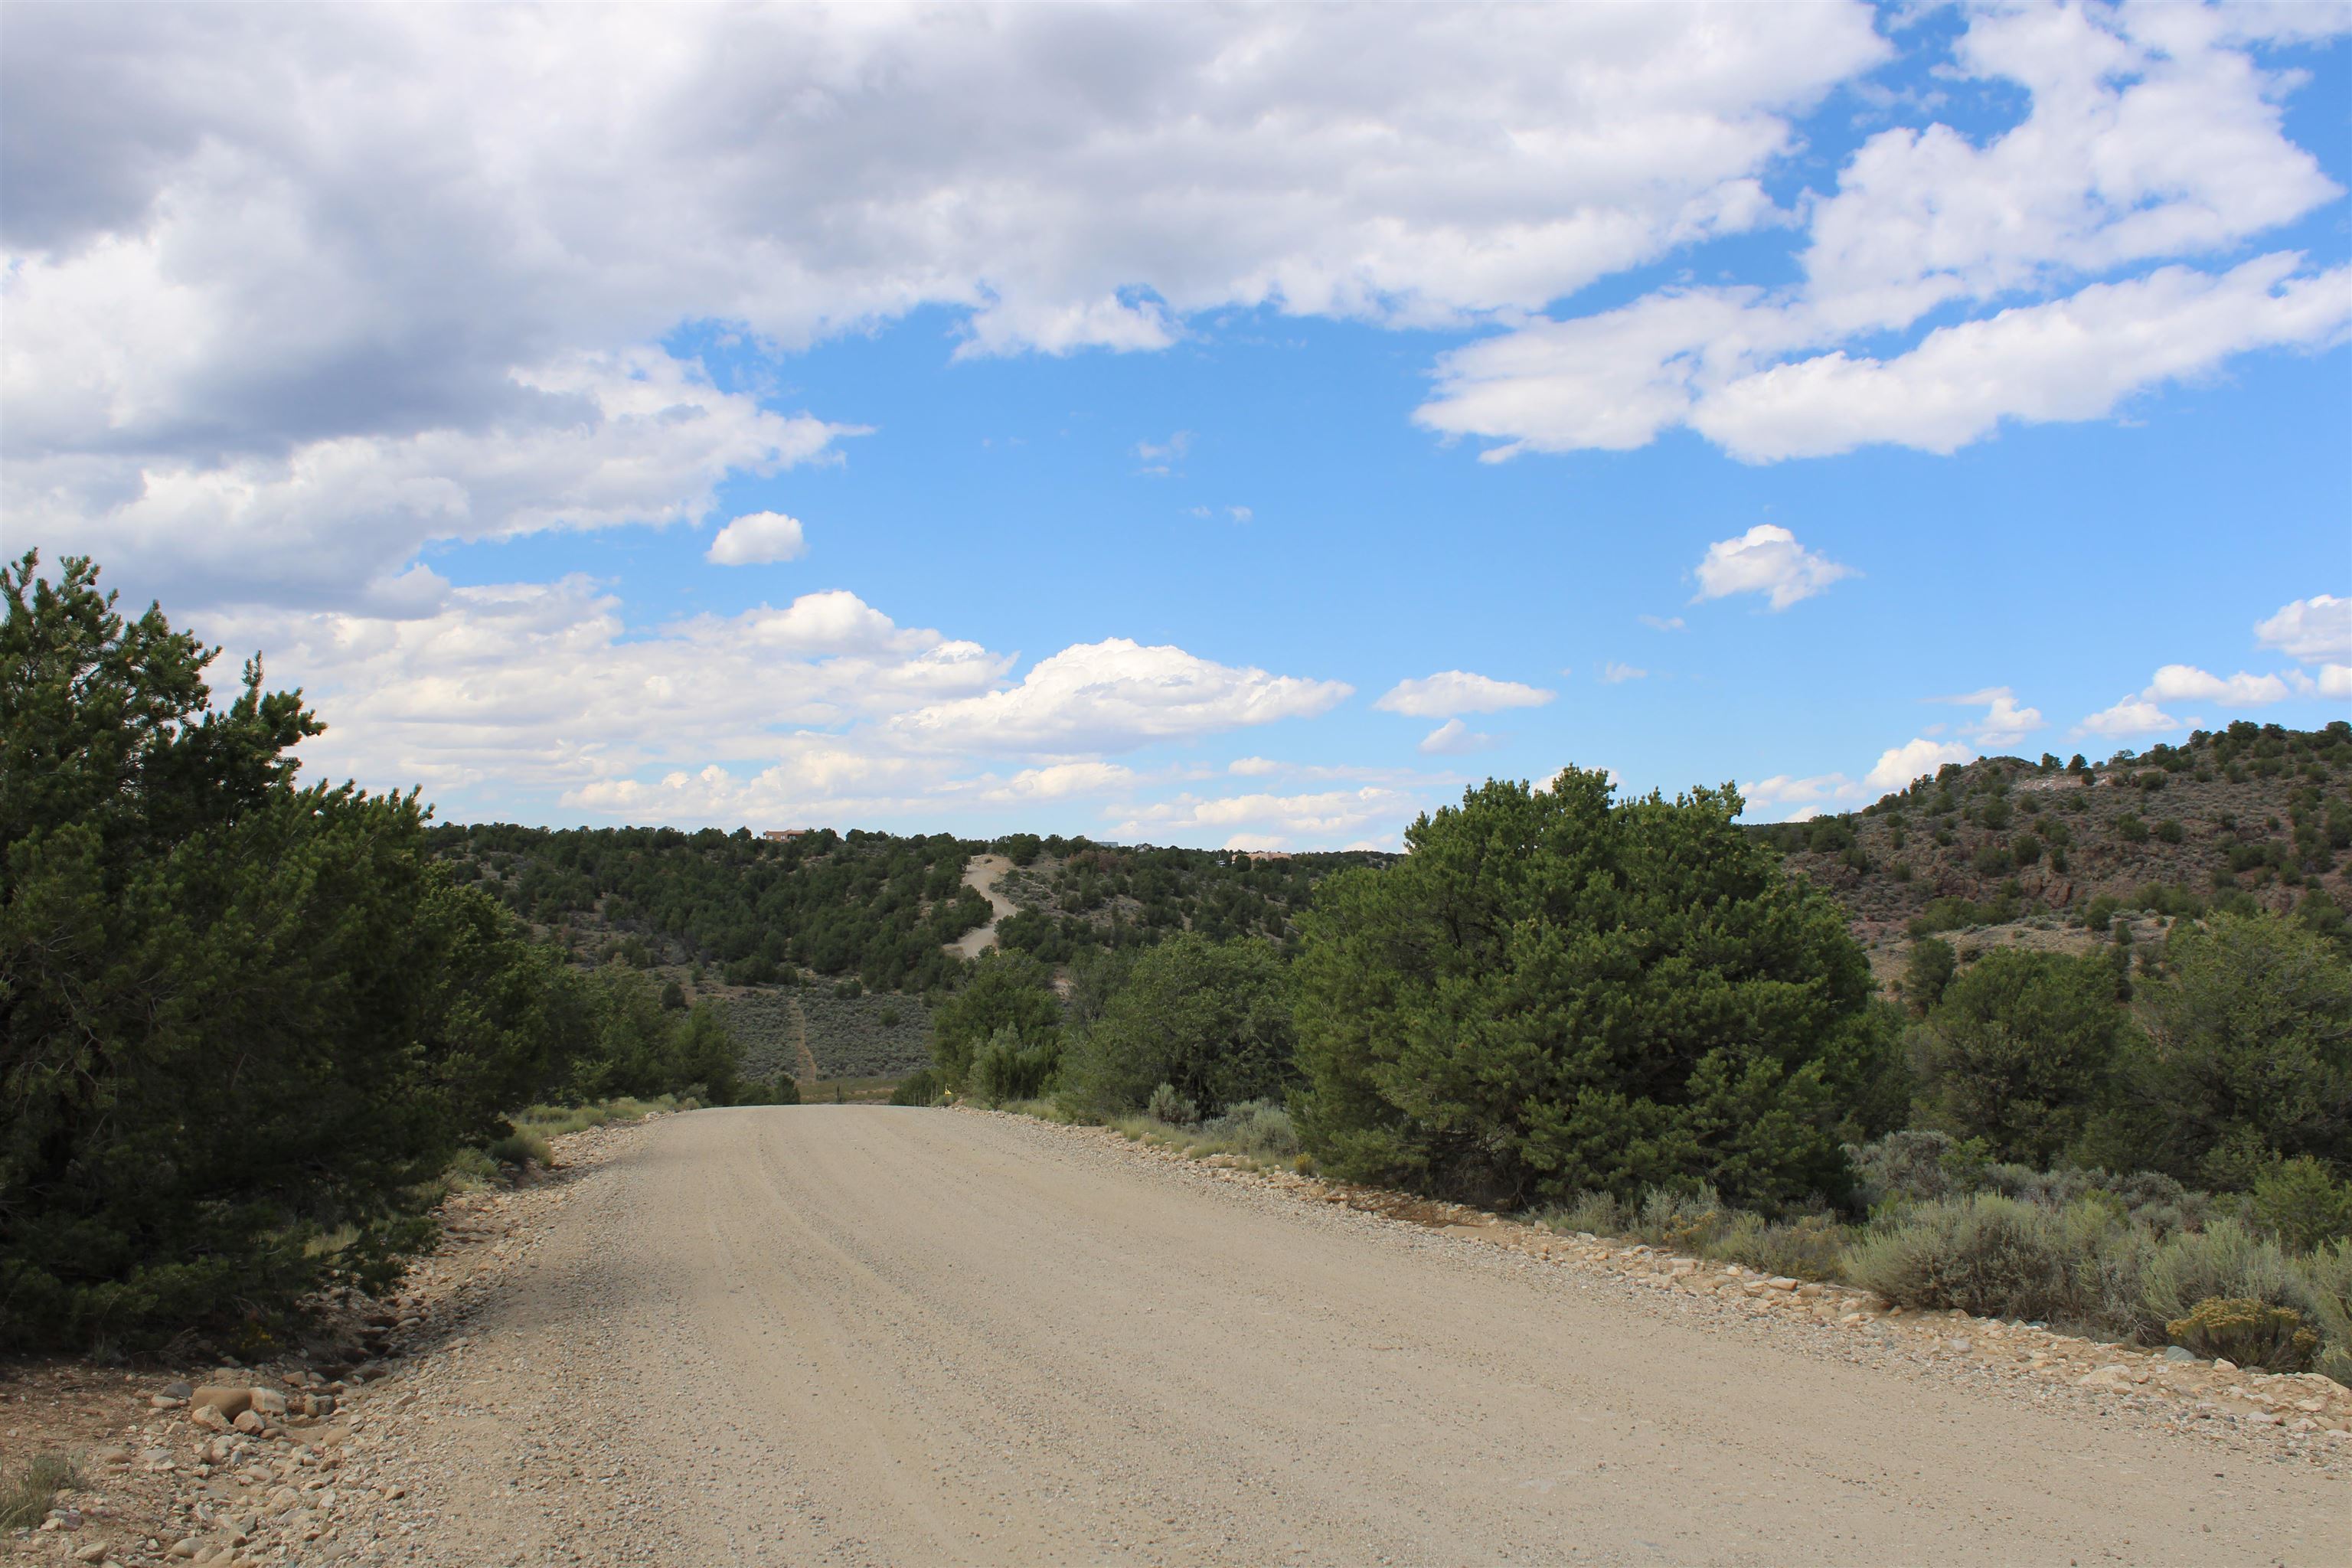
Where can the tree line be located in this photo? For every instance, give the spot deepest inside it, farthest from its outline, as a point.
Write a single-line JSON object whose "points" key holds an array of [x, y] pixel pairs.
{"points": [[1556, 993]]}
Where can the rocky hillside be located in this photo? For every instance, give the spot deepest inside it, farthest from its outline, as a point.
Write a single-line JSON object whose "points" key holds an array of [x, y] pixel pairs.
{"points": [[2254, 813]]}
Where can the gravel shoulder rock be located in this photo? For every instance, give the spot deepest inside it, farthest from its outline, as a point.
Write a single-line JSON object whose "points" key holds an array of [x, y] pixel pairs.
{"points": [[867, 1335]]}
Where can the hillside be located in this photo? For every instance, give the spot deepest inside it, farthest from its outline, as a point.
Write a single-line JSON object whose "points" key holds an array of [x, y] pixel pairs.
{"points": [[868, 906], [871, 906], [2252, 814], [796, 938], [822, 949], [1074, 894]]}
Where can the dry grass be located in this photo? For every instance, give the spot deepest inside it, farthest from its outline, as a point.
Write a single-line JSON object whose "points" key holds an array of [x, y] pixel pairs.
{"points": [[850, 1091], [2085, 1263], [523, 1146], [546, 1122], [27, 1485], [1255, 1131]]}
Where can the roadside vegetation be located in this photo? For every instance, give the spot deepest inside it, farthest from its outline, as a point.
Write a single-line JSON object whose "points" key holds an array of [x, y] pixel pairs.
{"points": [[246, 1024], [2255, 1278], [1627, 1017]]}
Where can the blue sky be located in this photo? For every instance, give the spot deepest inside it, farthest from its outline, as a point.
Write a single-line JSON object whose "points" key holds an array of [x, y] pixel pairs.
{"points": [[1145, 420]]}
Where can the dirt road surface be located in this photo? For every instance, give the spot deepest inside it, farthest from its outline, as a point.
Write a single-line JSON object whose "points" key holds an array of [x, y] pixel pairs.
{"points": [[864, 1335], [981, 874]]}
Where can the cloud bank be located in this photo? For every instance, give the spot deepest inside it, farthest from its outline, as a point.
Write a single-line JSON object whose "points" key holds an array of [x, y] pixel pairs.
{"points": [[2153, 135]]}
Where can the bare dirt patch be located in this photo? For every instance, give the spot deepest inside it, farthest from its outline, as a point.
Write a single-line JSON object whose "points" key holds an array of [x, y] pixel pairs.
{"points": [[982, 874]]}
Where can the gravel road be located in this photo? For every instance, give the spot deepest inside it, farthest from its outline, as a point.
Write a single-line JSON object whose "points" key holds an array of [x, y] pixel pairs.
{"points": [[866, 1335]]}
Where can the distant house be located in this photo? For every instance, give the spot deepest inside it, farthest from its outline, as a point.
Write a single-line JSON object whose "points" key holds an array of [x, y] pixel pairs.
{"points": [[782, 835]]}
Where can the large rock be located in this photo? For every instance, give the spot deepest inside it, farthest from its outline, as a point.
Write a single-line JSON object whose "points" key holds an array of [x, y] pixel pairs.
{"points": [[230, 1402], [267, 1400]]}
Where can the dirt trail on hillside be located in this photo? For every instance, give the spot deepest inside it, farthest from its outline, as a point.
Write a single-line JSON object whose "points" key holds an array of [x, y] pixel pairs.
{"points": [[804, 1060], [981, 874], [866, 1335]]}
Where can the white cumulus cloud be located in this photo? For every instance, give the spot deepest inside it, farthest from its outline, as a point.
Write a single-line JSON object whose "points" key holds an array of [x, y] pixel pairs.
{"points": [[594, 442], [1320, 815], [832, 621], [757, 539], [1113, 696], [2315, 630], [224, 365], [1797, 798], [1453, 691], [2075, 358], [1454, 739], [2005, 721], [538, 686], [1783, 790], [1765, 560], [2151, 135], [1899, 765], [2187, 683], [2332, 680], [2130, 716], [822, 709], [1061, 782], [2150, 132], [2143, 713]]}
